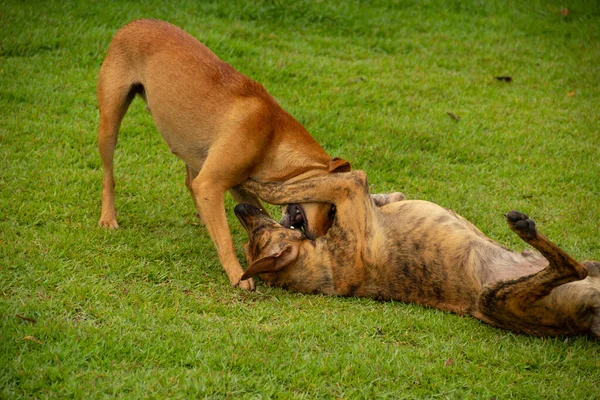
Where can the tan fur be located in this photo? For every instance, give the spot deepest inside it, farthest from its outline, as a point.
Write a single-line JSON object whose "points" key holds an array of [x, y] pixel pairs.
{"points": [[416, 251], [223, 125]]}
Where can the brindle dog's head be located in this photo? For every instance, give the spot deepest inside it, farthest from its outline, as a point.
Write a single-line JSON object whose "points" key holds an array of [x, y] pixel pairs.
{"points": [[271, 246]]}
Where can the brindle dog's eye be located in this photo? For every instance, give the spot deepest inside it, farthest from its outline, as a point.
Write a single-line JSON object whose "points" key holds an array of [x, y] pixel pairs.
{"points": [[331, 214]]}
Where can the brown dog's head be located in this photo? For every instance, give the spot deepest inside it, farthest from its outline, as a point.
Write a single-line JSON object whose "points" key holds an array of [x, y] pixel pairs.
{"points": [[271, 247], [314, 219]]}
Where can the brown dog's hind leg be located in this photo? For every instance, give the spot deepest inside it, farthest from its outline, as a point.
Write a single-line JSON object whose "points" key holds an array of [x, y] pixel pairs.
{"points": [[515, 303], [114, 97], [190, 175]]}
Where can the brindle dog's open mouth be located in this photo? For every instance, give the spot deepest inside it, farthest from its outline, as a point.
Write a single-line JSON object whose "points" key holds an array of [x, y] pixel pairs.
{"points": [[294, 218]]}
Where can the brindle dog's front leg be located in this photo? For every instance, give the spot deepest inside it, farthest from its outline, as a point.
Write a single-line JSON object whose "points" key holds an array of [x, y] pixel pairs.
{"points": [[516, 303], [330, 188]]}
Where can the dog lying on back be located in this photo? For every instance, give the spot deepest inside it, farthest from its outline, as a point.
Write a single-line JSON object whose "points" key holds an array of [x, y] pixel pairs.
{"points": [[416, 251]]}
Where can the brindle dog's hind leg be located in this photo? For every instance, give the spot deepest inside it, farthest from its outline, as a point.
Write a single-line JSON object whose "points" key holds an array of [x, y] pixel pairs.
{"points": [[563, 268], [515, 304]]}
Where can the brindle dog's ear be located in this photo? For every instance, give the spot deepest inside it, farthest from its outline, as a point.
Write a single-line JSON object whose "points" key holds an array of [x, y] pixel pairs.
{"points": [[337, 164], [273, 262]]}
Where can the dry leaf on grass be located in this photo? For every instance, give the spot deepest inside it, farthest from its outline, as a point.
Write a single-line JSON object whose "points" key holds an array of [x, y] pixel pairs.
{"points": [[32, 339], [454, 116], [33, 321]]}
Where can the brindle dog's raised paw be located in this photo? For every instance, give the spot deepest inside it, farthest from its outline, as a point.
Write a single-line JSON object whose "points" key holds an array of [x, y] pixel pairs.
{"points": [[521, 224], [593, 267]]}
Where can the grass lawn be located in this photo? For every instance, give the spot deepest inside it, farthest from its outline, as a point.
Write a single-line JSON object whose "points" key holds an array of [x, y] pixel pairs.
{"points": [[147, 312]]}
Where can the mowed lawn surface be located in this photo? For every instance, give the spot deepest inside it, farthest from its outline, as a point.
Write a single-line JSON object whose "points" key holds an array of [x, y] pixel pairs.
{"points": [[405, 90]]}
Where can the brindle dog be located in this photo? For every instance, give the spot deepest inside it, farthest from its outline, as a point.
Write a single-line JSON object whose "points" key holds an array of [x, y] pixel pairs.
{"points": [[416, 251]]}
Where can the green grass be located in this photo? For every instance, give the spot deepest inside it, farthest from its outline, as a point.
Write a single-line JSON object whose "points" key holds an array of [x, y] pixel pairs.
{"points": [[146, 311]]}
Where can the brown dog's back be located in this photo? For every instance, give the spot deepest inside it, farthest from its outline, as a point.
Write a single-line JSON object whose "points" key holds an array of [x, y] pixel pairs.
{"points": [[141, 57]]}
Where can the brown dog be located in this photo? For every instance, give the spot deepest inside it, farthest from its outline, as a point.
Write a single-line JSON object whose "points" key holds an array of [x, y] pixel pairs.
{"points": [[416, 251], [223, 125]]}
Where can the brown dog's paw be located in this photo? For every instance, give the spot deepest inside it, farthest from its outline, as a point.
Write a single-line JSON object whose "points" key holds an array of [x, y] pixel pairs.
{"points": [[521, 224], [108, 224], [248, 284]]}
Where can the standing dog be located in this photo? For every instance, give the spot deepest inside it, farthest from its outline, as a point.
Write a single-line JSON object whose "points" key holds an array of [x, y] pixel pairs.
{"points": [[416, 251], [223, 125]]}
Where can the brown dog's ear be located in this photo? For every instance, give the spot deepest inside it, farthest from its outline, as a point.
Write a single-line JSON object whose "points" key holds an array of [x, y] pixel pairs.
{"points": [[337, 164], [273, 262]]}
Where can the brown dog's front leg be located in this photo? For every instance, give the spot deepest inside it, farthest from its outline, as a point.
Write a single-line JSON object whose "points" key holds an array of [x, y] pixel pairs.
{"points": [[210, 198]]}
